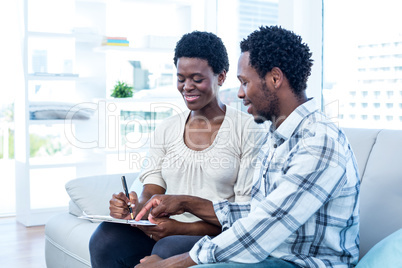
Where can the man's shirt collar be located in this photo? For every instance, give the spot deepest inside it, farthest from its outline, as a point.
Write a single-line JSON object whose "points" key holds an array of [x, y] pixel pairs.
{"points": [[292, 122]]}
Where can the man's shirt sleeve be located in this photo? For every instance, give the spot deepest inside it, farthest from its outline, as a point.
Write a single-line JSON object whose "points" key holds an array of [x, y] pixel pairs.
{"points": [[227, 212]]}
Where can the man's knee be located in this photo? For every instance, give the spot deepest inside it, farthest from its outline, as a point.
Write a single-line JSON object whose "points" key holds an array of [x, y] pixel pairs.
{"points": [[164, 248], [174, 245]]}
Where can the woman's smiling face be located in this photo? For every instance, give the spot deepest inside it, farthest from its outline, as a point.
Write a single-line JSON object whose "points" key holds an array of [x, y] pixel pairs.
{"points": [[197, 82]]}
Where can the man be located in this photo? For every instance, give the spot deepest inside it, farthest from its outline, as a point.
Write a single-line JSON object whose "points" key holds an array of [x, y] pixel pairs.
{"points": [[304, 208]]}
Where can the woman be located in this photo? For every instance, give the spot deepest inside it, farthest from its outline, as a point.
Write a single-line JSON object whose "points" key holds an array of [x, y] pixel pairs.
{"points": [[208, 151]]}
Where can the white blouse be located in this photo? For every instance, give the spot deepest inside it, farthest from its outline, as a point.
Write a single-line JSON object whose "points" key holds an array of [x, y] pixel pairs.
{"points": [[223, 171]]}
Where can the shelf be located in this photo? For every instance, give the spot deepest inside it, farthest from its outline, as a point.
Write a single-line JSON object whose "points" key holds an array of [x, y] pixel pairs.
{"points": [[50, 35], [93, 1], [105, 49], [62, 47], [80, 37], [53, 77], [46, 122], [57, 162], [56, 121]]}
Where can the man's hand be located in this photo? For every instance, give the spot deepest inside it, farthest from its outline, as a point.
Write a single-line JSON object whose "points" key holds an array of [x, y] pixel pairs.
{"points": [[164, 227], [154, 261], [150, 261], [166, 205], [162, 206], [119, 203]]}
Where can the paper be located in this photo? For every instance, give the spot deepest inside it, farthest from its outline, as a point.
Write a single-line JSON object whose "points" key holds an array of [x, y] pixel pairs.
{"points": [[102, 218]]}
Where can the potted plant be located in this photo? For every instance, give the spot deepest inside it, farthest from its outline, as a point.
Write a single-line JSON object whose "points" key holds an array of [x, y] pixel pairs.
{"points": [[122, 90]]}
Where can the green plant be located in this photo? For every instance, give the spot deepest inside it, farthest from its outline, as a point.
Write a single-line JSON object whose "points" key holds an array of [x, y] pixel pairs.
{"points": [[122, 90]]}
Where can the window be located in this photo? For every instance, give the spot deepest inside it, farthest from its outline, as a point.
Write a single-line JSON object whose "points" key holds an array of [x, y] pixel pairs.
{"points": [[53, 46], [236, 19], [358, 55]]}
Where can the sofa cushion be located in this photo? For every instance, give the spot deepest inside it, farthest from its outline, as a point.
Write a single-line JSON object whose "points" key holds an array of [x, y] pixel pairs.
{"points": [[381, 191], [362, 143], [92, 194], [386, 253], [66, 241]]}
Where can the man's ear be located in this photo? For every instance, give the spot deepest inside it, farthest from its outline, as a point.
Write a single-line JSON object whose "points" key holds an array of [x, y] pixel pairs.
{"points": [[276, 77]]}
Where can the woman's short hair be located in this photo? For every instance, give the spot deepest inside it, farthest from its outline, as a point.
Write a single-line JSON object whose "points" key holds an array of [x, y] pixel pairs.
{"points": [[203, 45]]}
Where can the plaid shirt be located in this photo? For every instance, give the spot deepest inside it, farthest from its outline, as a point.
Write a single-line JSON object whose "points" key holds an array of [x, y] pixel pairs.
{"points": [[305, 200]]}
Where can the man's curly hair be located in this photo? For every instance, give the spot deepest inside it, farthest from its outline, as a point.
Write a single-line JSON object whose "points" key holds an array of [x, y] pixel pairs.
{"points": [[273, 46], [203, 45]]}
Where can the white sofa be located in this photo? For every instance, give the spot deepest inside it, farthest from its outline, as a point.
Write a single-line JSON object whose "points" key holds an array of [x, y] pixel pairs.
{"points": [[378, 153]]}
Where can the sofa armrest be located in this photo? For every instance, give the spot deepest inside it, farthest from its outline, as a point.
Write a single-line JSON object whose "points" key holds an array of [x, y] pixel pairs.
{"points": [[92, 194]]}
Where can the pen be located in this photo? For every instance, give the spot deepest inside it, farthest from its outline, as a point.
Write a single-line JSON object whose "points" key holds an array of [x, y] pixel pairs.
{"points": [[123, 181]]}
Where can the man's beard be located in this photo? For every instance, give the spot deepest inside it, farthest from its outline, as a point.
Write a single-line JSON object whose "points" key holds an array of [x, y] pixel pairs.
{"points": [[271, 105]]}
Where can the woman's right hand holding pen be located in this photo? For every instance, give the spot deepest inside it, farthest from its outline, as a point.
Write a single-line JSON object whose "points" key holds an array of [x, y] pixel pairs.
{"points": [[119, 205]]}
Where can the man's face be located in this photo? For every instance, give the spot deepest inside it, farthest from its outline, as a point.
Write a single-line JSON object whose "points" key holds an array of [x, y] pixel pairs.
{"points": [[262, 102]]}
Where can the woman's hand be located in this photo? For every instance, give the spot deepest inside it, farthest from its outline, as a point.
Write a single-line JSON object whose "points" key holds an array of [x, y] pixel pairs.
{"points": [[164, 227], [119, 205]]}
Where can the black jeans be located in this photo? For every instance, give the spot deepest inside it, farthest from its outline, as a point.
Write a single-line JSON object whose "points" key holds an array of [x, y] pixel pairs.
{"points": [[121, 245]]}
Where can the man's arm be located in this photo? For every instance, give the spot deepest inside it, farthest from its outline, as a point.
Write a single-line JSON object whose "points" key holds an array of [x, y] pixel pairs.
{"points": [[166, 205]]}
